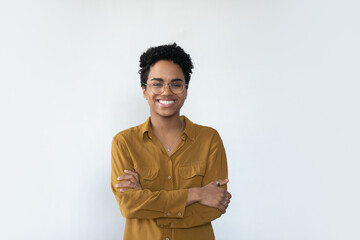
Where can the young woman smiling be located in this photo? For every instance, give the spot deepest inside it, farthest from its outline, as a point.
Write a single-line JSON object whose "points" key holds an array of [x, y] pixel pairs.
{"points": [[168, 174]]}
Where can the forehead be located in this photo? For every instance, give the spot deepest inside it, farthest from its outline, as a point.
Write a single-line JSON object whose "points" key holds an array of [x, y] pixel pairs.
{"points": [[166, 70]]}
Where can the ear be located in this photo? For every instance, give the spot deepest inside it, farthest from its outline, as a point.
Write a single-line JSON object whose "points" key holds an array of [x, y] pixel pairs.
{"points": [[144, 92]]}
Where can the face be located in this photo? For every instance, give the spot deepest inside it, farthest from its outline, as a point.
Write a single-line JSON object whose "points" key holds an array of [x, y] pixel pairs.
{"points": [[166, 104]]}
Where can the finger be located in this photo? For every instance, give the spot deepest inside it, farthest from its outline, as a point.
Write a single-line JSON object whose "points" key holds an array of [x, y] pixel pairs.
{"points": [[126, 184], [222, 208], [220, 182], [125, 177], [223, 182], [227, 195], [129, 178], [132, 173], [217, 182], [120, 185], [124, 189]]}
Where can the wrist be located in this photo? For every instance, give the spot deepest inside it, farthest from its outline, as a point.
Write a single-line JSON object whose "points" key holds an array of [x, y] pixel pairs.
{"points": [[193, 195]]}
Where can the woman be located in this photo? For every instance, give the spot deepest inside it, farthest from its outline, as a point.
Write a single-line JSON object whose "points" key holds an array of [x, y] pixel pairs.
{"points": [[168, 174]]}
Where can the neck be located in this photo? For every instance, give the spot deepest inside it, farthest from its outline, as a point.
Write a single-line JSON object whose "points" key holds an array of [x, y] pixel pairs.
{"points": [[166, 126]]}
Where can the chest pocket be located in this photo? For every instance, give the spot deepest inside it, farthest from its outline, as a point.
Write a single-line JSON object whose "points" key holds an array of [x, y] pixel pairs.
{"points": [[149, 178], [191, 176]]}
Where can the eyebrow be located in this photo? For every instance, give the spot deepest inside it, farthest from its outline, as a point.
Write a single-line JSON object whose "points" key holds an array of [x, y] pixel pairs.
{"points": [[161, 80]]}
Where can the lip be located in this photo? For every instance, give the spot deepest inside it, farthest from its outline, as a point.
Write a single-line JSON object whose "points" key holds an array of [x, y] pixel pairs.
{"points": [[170, 103]]}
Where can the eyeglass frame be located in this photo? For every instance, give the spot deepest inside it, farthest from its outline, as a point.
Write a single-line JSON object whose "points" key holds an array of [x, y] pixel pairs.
{"points": [[164, 87]]}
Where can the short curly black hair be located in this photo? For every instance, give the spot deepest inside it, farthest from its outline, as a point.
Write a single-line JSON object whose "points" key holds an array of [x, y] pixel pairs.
{"points": [[171, 52]]}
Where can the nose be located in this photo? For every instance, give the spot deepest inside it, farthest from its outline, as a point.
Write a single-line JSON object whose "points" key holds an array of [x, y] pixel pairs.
{"points": [[167, 90]]}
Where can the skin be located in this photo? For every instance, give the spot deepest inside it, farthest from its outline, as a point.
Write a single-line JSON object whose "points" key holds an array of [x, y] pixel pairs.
{"points": [[165, 120], [165, 71], [166, 125]]}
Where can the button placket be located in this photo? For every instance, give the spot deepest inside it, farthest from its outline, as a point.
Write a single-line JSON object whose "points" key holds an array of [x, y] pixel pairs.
{"points": [[170, 176]]}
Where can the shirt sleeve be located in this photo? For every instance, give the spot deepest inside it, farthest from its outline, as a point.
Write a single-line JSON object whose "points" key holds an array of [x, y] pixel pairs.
{"points": [[143, 204], [198, 214]]}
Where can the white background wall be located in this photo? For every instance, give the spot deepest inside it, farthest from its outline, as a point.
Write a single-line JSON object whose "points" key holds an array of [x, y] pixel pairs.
{"points": [[278, 79]]}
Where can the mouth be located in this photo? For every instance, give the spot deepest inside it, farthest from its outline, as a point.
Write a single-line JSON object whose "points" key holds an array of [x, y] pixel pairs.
{"points": [[166, 103]]}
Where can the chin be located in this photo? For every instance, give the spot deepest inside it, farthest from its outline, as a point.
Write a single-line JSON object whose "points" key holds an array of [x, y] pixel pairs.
{"points": [[168, 114]]}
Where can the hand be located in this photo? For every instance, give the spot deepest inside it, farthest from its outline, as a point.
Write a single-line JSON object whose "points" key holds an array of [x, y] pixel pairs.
{"points": [[213, 195], [131, 183]]}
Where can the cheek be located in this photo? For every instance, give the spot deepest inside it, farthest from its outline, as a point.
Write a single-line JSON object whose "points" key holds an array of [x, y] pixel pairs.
{"points": [[182, 101], [185, 96], [147, 95], [151, 100]]}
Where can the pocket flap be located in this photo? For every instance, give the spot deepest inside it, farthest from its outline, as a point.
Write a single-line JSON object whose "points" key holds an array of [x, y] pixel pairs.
{"points": [[191, 171], [148, 174]]}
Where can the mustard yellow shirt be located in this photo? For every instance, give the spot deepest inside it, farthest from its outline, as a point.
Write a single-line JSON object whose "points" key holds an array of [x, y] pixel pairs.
{"points": [[159, 210]]}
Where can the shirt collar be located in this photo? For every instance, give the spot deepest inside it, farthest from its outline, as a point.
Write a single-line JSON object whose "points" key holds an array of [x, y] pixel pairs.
{"points": [[146, 128], [189, 130]]}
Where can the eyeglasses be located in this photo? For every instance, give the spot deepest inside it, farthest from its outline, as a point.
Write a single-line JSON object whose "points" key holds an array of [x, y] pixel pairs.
{"points": [[159, 88]]}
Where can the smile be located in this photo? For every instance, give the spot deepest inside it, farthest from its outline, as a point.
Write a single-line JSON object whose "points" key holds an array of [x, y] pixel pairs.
{"points": [[166, 103]]}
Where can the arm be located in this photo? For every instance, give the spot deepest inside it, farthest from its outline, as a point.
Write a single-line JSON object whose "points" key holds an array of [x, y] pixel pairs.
{"points": [[143, 203], [199, 212]]}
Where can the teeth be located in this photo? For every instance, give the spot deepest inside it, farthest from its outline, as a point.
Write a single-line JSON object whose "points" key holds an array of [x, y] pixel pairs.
{"points": [[166, 102]]}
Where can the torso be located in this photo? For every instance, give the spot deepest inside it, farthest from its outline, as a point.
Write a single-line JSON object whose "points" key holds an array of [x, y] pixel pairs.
{"points": [[170, 142]]}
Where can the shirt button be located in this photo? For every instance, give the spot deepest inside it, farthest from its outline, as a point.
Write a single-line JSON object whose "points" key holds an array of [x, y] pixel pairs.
{"points": [[168, 213], [179, 214], [169, 177]]}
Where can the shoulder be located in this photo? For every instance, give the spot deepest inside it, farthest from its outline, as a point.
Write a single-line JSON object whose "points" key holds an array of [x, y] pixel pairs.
{"points": [[202, 132], [208, 137], [205, 130], [129, 134]]}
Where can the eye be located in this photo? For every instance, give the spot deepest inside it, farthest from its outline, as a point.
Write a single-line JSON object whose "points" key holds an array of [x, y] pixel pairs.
{"points": [[157, 85], [176, 85]]}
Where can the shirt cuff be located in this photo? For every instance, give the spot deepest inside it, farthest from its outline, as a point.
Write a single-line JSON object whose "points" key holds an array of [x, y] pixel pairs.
{"points": [[176, 204]]}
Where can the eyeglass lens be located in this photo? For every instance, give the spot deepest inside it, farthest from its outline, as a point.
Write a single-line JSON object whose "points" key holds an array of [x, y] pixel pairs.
{"points": [[175, 87]]}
